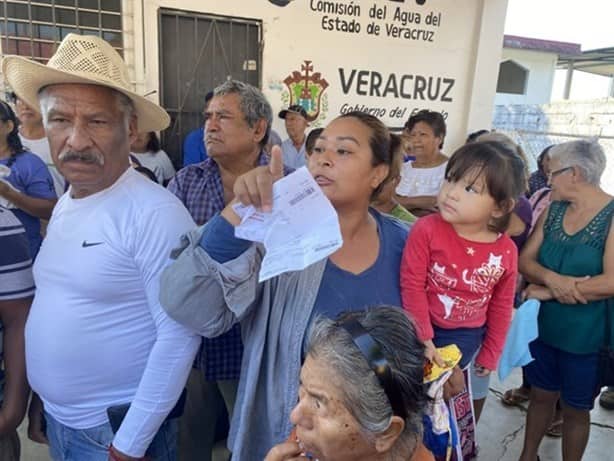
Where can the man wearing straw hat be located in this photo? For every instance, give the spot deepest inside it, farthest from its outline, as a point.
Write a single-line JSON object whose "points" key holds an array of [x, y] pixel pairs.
{"points": [[107, 362]]}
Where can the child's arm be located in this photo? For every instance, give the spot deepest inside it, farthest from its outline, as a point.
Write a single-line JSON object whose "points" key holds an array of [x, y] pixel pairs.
{"points": [[498, 317], [13, 314], [414, 267]]}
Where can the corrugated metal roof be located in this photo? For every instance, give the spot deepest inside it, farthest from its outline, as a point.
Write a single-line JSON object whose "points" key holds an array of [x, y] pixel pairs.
{"points": [[600, 61], [550, 46]]}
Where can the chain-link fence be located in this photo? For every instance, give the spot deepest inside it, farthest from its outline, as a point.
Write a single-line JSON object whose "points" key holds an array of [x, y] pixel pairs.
{"points": [[536, 127]]}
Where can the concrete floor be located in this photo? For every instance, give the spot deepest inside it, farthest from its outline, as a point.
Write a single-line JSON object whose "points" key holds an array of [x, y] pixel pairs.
{"points": [[31, 451], [500, 432]]}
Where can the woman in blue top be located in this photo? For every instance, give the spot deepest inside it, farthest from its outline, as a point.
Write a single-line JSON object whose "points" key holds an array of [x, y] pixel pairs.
{"points": [[26, 186], [214, 281], [569, 259]]}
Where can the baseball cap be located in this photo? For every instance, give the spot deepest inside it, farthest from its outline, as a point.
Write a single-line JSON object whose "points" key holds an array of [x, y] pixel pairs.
{"points": [[294, 108]]}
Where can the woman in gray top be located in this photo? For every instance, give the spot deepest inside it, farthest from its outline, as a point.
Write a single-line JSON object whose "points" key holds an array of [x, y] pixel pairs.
{"points": [[213, 282]]}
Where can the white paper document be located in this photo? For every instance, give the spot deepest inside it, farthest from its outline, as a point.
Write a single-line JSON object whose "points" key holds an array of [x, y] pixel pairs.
{"points": [[302, 228]]}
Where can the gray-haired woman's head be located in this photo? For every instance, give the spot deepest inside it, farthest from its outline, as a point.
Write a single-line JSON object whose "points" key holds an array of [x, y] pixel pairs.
{"points": [[254, 104], [363, 395], [585, 154]]}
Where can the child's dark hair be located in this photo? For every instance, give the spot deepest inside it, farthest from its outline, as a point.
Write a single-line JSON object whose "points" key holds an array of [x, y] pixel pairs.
{"points": [[153, 143], [433, 119], [503, 172], [312, 137], [381, 142], [13, 140], [510, 144], [474, 135]]}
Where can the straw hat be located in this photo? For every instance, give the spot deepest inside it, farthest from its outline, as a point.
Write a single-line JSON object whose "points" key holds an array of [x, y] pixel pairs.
{"points": [[81, 59]]}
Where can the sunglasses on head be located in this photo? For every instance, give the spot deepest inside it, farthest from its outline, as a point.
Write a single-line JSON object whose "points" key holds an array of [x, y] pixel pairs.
{"points": [[374, 356]]}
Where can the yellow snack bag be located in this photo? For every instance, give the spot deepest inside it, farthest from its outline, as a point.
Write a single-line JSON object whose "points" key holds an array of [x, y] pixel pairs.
{"points": [[450, 354]]}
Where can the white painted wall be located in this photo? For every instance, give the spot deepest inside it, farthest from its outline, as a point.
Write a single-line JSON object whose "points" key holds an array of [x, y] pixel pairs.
{"points": [[541, 68], [466, 49]]}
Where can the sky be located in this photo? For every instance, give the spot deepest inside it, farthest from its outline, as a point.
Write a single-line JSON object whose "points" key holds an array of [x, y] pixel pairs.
{"points": [[587, 22]]}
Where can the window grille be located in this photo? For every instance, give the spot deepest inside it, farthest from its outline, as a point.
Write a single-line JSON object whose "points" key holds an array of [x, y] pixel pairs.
{"points": [[34, 28]]}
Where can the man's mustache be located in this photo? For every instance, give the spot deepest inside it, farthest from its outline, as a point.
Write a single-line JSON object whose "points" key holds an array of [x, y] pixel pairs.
{"points": [[85, 156]]}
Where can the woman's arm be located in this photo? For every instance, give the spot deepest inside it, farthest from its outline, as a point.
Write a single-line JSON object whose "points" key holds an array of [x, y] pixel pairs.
{"points": [[37, 207], [205, 288], [527, 260], [13, 314], [425, 202], [539, 292], [563, 287], [213, 281], [601, 286]]}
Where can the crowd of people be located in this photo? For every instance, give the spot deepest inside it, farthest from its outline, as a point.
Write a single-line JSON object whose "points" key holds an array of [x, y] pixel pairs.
{"points": [[136, 316]]}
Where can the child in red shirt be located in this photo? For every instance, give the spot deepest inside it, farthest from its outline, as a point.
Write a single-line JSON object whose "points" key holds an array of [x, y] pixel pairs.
{"points": [[458, 270]]}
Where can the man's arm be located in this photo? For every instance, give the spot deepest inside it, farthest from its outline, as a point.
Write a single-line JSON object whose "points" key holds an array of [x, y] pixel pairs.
{"points": [[173, 351]]}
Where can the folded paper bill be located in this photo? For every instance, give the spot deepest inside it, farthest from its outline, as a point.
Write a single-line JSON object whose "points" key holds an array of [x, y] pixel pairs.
{"points": [[302, 228]]}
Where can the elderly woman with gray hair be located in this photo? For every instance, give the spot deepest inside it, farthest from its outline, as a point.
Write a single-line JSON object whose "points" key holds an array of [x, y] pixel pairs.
{"points": [[569, 261], [361, 393]]}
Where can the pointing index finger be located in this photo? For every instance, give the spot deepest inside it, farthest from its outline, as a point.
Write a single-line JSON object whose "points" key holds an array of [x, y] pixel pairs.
{"points": [[276, 165]]}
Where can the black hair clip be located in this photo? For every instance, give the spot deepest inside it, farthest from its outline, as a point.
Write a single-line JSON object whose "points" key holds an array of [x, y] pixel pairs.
{"points": [[374, 356]]}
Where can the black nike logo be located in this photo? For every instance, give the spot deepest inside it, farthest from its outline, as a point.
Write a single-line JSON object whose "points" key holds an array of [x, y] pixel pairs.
{"points": [[86, 244]]}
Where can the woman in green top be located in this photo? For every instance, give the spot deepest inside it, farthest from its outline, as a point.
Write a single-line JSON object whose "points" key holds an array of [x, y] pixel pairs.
{"points": [[569, 259]]}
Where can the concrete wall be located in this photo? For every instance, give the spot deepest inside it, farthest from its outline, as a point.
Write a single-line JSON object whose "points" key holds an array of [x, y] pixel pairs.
{"points": [[463, 54], [535, 127], [540, 66], [455, 47]]}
